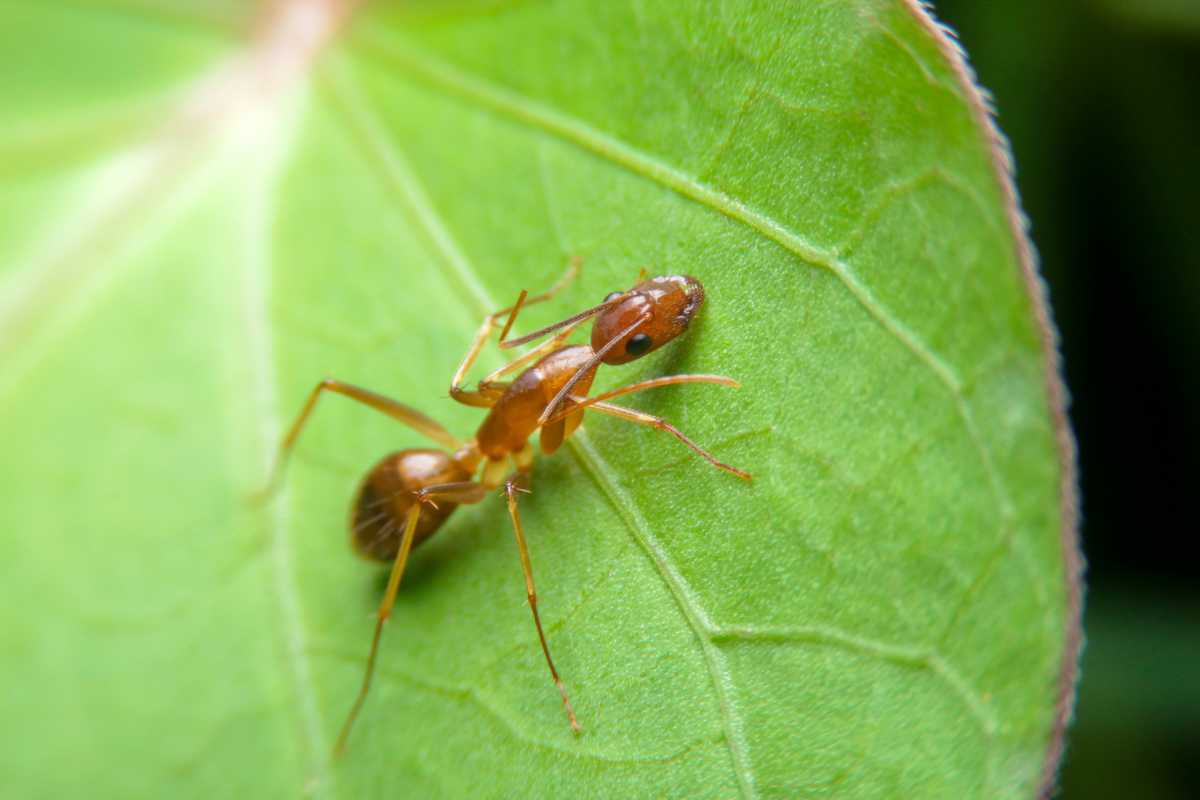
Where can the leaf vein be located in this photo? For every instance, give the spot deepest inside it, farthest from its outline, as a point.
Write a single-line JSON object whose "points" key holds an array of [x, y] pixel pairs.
{"points": [[405, 180], [400, 176], [894, 192], [915, 657], [526, 111], [259, 354], [498, 712], [685, 598]]}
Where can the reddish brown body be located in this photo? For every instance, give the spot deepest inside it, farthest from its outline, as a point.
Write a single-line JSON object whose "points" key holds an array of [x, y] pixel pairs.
{"points": [[388, 490], [408, 495], [628, 326], [386, 494], [514, 418]]}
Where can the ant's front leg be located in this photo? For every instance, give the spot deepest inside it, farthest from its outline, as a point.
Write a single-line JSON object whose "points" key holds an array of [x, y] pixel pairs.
{"points": [[484, 398]]}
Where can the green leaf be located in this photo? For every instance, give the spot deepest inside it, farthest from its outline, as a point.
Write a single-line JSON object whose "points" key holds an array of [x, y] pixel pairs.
{"points": [[201, 216]]}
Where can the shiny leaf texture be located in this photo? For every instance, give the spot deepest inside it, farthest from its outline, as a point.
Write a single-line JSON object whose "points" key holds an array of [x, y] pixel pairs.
{"points": [[203, 212]]}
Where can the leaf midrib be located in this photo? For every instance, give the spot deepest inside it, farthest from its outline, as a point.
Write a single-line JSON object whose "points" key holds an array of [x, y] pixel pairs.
{"points": [[259, 353]]}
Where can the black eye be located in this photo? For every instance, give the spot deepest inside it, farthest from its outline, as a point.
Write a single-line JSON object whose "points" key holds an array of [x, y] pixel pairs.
{"points": [[637, 344], [612, 296]]}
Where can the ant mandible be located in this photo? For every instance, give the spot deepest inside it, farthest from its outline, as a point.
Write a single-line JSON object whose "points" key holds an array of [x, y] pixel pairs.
{"points": [[407, 495]]}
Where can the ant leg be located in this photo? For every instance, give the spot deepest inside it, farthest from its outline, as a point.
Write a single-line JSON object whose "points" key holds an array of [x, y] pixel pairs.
{"points": [[459, 492], [396, 410], [510, 491], [385, 611], [580, 403], [574, 264], [463, 492], [658, 422], [481, 399], [491, 381], [466, 396]]}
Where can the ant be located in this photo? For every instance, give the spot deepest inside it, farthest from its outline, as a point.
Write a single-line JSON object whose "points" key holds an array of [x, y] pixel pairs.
{"points": [[407, 495]]}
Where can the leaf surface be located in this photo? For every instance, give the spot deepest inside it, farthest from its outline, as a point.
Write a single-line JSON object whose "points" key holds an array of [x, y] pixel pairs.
{"points": [[203, 216]]}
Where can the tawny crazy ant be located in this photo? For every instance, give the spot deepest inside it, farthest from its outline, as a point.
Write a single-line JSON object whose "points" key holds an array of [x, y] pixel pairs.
{"points": [[407, 495]]}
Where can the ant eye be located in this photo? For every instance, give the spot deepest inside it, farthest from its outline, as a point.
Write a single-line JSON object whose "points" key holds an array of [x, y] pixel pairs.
{"points": [[612, 296], [637, 344]]}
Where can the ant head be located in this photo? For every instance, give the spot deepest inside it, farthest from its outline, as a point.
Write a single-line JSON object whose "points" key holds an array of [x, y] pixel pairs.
{"points": [[666, 304]]}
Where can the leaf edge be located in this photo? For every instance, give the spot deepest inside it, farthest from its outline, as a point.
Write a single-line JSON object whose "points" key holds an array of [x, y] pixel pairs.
{"points": [[982, 110]]}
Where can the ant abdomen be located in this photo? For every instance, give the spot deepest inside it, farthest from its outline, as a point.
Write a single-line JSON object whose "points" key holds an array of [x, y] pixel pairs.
{"points": [[386, 493]]}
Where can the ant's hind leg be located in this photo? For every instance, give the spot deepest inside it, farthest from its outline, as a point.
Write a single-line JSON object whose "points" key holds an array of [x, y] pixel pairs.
{"points": [[396, 410], [385, 611], [510, 491], [459, 492]]}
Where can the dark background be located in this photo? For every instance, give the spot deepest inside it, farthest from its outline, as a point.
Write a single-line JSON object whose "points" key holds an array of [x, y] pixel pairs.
{"points": [[1101, 100]]}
